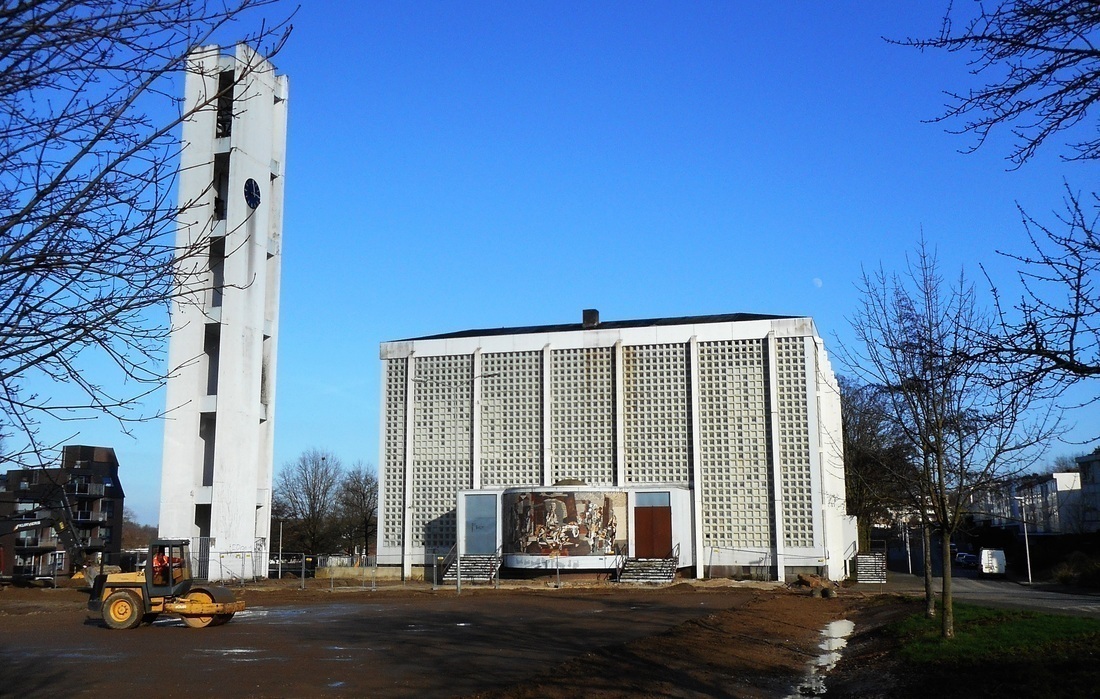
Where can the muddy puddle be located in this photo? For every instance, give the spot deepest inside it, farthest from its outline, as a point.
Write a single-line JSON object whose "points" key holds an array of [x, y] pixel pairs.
{"points": [[834, 637]]}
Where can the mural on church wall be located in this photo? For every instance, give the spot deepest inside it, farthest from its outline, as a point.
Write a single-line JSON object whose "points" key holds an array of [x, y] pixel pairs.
{"points": [[586, 523]]}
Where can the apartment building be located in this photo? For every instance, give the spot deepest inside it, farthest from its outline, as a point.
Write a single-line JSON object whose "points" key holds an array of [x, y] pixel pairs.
{"points": [[1089, 466], [87, 483]]}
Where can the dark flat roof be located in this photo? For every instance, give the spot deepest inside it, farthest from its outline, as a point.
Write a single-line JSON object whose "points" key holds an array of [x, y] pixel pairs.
{"points": [[604, 325]]}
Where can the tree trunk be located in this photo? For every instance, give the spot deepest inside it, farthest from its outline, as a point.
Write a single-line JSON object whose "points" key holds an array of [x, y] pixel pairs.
{"points": [[863, 529], [947, 624], [929, 589]]}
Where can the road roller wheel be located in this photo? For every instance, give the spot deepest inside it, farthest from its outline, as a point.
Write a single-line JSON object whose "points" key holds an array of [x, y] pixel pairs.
{"points": [[220, 619], [122, 610], [200, 622]]}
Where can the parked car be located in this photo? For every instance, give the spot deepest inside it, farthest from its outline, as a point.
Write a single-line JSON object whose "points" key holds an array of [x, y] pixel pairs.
{"points": [[966, 560]]}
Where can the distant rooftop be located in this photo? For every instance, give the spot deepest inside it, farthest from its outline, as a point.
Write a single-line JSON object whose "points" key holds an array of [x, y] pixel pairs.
{"points": [[592, 322]]}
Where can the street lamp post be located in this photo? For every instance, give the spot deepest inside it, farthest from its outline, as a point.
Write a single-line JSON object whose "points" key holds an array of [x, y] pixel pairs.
{"points": [[1027, 546]]}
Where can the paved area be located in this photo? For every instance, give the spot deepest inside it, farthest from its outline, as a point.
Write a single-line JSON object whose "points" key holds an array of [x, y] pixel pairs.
{"points": [[1004, 592]]}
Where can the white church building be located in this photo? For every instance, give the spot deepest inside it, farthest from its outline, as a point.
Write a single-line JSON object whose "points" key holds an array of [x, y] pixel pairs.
{"points": [[714, 440], [216, 473]]}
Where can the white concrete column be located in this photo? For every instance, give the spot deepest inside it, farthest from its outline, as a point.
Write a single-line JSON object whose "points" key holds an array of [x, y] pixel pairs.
{"points": [[696, 455], [475, 423], [410, 425], [631, 503], [547, 437], [776, 465], [813, 428], [620, 417]]}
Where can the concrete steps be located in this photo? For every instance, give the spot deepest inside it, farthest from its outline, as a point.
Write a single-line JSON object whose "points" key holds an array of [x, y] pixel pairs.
{"points": [[475, 568], [648, 570]]}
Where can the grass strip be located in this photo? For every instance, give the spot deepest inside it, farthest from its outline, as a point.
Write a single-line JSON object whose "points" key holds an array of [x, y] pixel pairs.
{"points": [[997, 652]]}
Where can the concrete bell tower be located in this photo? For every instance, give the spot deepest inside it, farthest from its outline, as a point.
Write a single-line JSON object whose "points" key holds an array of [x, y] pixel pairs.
{"points": [[216, 472]]}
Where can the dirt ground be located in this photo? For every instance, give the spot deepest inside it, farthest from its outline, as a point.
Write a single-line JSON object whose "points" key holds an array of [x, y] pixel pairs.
{"points": [[692, 639]]}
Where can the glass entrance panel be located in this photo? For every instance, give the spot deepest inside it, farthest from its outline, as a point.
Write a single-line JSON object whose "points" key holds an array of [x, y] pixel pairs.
{"points": [[481, 524], [652, 500]]}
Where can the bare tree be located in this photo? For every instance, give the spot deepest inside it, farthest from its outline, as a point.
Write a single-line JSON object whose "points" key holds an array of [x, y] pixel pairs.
{"points": [[358, 503], [1039, 61], [306, 498], [877, 459], [969, 424], [881, 472], [136, 535], [1063, 463], [88, 153]]}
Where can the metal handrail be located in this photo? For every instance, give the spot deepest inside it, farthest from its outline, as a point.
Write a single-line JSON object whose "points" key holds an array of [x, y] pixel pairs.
{"points": [[450, 558], [498, 556], [674, 553], [621, 552]]}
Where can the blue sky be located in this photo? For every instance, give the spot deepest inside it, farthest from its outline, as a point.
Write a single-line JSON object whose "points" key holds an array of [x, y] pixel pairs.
{"points": [[470, 165]]}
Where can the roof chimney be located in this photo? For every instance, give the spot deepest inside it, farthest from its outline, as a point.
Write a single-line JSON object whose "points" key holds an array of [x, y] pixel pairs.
{"points": [[591, 318]]}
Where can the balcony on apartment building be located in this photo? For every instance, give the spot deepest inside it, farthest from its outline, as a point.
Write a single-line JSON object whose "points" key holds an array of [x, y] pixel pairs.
{"points": [[35, 544], [85, 490], [87, 518], [28, 512]]}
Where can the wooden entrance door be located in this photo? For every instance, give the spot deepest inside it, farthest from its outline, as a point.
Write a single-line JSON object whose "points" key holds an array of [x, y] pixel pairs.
{"points": [[652, 531]]}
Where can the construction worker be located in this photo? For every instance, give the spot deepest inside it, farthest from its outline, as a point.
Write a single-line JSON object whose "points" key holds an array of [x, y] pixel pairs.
{"points": [[162, 564]]}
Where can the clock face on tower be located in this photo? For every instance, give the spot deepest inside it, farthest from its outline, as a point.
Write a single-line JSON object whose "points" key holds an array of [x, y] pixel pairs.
{"points": [[251, 193]]}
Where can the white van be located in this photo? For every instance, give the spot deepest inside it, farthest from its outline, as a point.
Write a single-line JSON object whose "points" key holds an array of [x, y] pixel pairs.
{"points": [[991, 562]]}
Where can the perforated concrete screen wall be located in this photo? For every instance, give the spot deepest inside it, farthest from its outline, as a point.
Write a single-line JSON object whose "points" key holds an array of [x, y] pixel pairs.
{"points": [[441, 446], [511, 418], [794, 441], [582, 415], [735, 465], [657, 434], [726, 409], [393, 454]]}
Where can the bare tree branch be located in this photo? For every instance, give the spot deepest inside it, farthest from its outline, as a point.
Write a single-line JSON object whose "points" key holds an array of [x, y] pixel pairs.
{"points": [[878, 461], [1041, 62], [1053, 329]]}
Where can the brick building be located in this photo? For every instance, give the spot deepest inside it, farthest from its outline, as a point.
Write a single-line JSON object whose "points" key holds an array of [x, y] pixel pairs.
{"points": [[87, 482]]}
